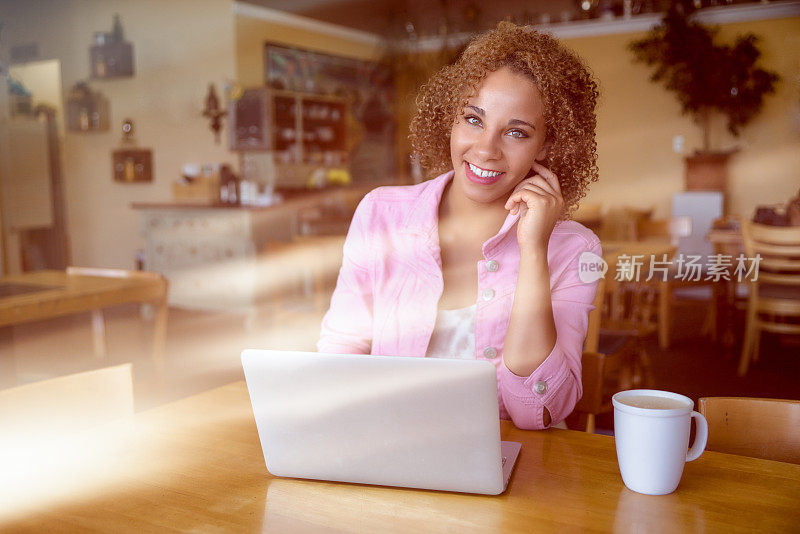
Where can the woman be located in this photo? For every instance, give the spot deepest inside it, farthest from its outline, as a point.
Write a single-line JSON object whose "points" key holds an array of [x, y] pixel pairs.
{"points": [[481, 262]]}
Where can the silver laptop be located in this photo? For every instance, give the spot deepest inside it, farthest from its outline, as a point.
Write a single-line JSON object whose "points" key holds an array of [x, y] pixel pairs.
{"points": [[386, 420]]}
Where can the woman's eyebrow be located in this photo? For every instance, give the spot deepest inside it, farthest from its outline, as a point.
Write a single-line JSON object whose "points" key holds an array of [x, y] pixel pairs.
{"points": [[517, 121], [512, 122]]}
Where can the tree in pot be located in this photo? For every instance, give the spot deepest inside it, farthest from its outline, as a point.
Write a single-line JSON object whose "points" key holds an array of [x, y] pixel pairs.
{"points": [[709, 79]]}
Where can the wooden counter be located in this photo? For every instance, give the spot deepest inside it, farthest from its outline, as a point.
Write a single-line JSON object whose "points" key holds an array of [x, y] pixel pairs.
{"points": [[292, 199], [214, 255]]}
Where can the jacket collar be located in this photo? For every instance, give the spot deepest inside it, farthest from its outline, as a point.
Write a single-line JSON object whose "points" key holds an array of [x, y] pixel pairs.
{"points": [[423, 217]]}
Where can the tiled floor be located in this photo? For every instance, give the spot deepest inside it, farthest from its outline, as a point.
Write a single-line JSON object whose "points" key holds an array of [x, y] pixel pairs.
{"points": [[203, 352]]}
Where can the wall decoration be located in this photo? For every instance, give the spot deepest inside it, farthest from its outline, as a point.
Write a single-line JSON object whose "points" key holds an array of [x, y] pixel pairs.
{"points": [[87, 110], [129, 163], [133, 165], [111, 56], [214, 112]]}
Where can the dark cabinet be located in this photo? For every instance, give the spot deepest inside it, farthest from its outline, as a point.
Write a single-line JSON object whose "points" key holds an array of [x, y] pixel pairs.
{"points": [[301, 128]]}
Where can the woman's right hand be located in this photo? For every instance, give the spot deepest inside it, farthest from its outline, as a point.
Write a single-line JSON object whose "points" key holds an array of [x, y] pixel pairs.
{"points": [[540, 204]]}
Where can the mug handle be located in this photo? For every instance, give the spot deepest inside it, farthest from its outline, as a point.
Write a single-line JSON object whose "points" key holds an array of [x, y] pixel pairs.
{"points": [[700, 437]]}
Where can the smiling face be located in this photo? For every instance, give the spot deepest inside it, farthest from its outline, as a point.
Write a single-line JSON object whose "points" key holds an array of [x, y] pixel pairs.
{"points": [[497, 137]]}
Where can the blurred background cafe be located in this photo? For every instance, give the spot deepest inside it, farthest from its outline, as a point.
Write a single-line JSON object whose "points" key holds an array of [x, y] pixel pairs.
{"points": [[178, 178]]}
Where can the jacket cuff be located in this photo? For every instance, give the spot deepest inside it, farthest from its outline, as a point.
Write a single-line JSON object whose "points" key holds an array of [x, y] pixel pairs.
{"points": [[526, 394]]}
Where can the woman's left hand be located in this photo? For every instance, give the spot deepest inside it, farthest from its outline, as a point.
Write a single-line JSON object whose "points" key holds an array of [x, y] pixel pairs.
{"points": [[540, 204]]}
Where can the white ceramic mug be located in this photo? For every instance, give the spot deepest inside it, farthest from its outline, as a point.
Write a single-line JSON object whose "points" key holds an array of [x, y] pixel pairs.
{"points": [[652, 442]]}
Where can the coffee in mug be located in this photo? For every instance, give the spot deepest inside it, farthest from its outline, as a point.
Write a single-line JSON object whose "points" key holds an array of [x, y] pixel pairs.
{"points": [[651, 431], [651, 402]]}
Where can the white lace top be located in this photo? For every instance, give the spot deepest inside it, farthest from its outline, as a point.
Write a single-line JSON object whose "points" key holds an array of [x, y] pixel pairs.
{"points": [[454, 334]]}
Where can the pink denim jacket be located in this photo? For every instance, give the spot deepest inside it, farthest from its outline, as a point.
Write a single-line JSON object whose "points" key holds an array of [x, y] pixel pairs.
{"points": [[387, 294]]}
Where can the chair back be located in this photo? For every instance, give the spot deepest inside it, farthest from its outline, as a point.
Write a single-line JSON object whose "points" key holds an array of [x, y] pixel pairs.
{"points": [[53, 408], [760, 428], [602, 375], [619, 224], [592, 340], [593, 373], [589, 214], [779, 248], [631, 308]]}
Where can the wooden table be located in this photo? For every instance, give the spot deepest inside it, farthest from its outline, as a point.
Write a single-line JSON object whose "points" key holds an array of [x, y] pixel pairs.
{"points": [[612, 250], [45, 294], [196, 465]]}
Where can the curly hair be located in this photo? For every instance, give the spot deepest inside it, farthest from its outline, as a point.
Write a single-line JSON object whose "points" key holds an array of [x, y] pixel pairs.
{"points": [[569, 95]]}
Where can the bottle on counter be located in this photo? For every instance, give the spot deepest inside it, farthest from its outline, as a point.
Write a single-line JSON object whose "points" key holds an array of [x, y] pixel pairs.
{"points": [[247, 191], [229, 185]]}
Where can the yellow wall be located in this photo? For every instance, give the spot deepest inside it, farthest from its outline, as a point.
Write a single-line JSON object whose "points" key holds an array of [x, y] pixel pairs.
{"points": [[637, 120], [252, 33], [179, 47]]}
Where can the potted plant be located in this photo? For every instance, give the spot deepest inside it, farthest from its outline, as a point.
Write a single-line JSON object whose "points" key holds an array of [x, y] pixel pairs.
{"points": [[709, 80]]}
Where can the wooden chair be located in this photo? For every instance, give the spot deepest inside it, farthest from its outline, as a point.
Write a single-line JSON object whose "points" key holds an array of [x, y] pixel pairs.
{"points": [[629, 318], [158, 297], [726, 238], [590, 214], [673, 229], [774, 300], [760, 428], [58, 406], [592, 341], [589, 405], [620, 224], [602, 375]]}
